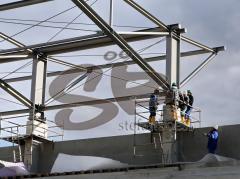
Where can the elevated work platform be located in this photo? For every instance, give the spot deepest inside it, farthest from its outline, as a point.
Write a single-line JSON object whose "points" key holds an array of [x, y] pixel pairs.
{"points": [[159, 126], [20, 140]]}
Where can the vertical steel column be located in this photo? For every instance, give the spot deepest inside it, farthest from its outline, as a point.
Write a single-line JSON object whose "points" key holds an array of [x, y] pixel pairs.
{"points": [[173, 60], [39, 73], [28, 149]]}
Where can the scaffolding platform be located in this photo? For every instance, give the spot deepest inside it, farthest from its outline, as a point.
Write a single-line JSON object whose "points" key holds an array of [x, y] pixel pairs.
{"points": [[159, 126], [20, 139]]}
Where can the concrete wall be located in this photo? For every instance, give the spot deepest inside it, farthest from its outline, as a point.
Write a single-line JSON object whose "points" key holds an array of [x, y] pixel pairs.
{"points": [[6, 153], [191, 145], [118, 148]]}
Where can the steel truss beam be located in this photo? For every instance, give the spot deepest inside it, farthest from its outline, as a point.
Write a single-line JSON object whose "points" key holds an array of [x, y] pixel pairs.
{"points": [[147, 14], [10, 90], [74, 44], [82, 103], [121, 43], [109, 65], [100, 40], [18, 4], [161, 24]]}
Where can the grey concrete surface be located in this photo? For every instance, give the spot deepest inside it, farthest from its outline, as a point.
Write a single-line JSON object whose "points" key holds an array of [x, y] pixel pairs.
{"points": [[220, 172]]}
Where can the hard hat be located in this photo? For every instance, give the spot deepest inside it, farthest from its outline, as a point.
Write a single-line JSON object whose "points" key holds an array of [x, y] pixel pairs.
{"points": [[216, 127], [185, 92], [174, 84], [156, 91]]}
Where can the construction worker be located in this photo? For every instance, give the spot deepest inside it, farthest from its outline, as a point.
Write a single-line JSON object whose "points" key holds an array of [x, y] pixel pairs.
{"points": [[175, 94], [153, 103], [190, 104], [212, 139], [184, 100], [181, 101]]}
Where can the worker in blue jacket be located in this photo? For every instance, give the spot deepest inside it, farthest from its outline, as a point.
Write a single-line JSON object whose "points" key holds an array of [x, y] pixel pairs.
{"points": [[153, 105], [212, 139]]}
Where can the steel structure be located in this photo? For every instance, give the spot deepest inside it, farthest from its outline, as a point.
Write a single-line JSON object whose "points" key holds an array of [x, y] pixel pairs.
{"points": [[41, 54]]}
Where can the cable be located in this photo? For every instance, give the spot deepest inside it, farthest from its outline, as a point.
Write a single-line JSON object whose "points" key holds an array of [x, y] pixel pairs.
{"points": [[103, 73], [68, 87], [6, 72], [24, 72], [51, 22], [53, 27], [41, 22], [11, 101], [75, 23], [69, 23], [21, 67]]}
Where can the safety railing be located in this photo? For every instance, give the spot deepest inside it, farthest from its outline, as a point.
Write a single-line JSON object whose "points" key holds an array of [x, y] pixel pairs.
{"points": [[142, 118], [142, 114], [17, 130]]}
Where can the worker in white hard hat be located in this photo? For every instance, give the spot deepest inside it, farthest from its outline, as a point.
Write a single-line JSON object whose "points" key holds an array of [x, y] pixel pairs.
{"points": [[212, 139]]}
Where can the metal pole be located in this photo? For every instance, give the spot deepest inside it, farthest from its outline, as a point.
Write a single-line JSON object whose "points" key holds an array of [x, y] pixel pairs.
{"points": [[135, 123], [111, 14]]}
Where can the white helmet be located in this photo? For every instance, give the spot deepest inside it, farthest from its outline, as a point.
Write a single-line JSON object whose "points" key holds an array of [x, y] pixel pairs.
{"points": [[216, 127], [184, 92]]}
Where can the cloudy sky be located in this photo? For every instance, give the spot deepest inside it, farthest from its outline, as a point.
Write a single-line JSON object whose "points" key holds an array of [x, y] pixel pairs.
{"points": [[213, 23]]}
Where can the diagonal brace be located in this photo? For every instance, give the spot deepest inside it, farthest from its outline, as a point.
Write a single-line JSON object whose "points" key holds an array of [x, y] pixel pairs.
{"points": [[147, 14], [197, 70], [121, 43], [10, 90]]}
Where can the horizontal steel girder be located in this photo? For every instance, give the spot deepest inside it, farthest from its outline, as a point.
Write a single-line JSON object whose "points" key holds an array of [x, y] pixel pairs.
{"points": [[76, 44], [83, 103], [18, 4], [110, 65]]}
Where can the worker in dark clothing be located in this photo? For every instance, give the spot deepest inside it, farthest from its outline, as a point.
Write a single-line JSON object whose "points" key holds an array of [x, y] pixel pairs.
{"points": [[184, 103], [212, 139], [181, 101], [175, 94], [189, 105], [153, 103]]}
